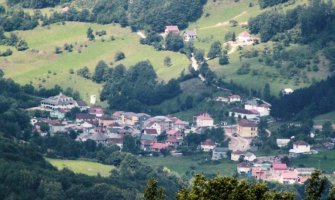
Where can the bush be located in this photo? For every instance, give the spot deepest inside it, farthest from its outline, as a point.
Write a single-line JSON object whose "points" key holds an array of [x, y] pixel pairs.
{"points": [[119, 56], [244, 69]]}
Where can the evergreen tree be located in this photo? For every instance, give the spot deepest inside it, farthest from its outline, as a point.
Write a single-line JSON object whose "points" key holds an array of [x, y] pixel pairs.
{"points": [[224, 59], [152, 192], [315, 186], [90, 34], [22, 45], [267, 92], [100, 71]]}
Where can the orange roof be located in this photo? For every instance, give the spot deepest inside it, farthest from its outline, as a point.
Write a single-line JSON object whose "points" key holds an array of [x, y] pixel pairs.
{"points": [[159, 145]]}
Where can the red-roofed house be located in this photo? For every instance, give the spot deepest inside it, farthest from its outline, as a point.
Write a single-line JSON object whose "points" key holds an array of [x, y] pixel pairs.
{"points": [[173, 142], [247, 129], [289, 177], [151, 131], [157, 147], [171, 29], [259, 173], [245, 38], [174, 134], [207, 145], [97, 111], [279, 167], [203, 120]]}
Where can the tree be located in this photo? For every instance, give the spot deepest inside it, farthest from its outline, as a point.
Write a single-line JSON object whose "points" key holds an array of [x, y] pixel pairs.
{"points": [[1, 73], [224, 59], [130, 145], [233, 37], [267, 92], [58, 50], [152, 192], [215, 50], [22, 45], [167, 61], [199, 55], [162, 137], [173, 42], [315, 186], [327, 129], [90, 34], [100, 71]]}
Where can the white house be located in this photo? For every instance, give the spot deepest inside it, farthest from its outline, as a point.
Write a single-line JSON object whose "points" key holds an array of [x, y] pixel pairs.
{"points": [[282, 142], [289, 177], [207, 145], [301, 147], [190, 35], [234, 98], [243, 113], [245, 38], [287, 91], [244, 168], [249, 157], [263, 109], [236, 155], [219, 153], [203, 120]]}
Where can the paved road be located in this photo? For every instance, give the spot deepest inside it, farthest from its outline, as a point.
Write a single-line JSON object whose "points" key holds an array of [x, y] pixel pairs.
{"points": [[237, 143]]}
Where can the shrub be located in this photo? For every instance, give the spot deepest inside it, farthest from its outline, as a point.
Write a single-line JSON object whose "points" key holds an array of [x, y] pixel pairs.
{"points": [[119, 56]]}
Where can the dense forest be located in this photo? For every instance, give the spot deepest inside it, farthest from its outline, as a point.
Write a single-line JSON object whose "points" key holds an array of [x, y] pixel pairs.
{"points": [[306, 102], [36, 3]]}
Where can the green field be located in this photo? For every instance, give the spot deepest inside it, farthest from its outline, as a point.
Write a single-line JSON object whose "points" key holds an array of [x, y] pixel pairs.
{"points": [[182, 165], [42, 67], [324, 118], [82, 167], [323, 160]]}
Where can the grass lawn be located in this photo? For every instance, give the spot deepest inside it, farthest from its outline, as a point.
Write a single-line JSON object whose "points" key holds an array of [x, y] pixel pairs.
{"points": [[323, 160], [82, 167], [183, 164], [324, 118], [42, 67]]}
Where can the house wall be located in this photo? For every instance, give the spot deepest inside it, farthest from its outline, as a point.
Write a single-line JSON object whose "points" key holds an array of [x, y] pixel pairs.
{"points": [[262, 110], [301, 148], [247, 132], [204, 123]]}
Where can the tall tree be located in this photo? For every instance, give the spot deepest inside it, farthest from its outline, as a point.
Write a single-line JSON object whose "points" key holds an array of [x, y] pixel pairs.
{"points": [[90, 34], [267, 92], [315, 186], [100, 71], [152, 192], [215, 50]]}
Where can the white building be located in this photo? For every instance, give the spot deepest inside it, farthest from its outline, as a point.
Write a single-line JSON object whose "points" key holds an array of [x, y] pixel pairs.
{"points": [[207, 145], [203, 120], [245, 38], [190, 35], [250, 157], [287, 91], [282, 142], [220, 153], [59, 102], [234, 98], [301, 147], [243, 113]]}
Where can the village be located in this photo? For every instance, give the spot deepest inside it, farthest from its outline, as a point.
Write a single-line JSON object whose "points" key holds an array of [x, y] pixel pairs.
{"points": [[163, 135]]}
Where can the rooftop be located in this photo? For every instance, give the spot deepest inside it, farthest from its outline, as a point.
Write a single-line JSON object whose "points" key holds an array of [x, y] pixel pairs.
{"points": [[247, 123]]}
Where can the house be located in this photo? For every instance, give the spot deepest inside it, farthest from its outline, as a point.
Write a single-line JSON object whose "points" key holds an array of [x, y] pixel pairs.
{"points": [[244, 168], [83, 117], [160, 123], [207, 145], [151, 131], [279, 167], [147, 141], [98, 136], [180, 124], [304, 171], [82, 105], [175, 134], [59, 102], [262, 107], [243, 113], [282, 142], [96, 111], [58, 114], [250, 157], [247, 129], [234, 98], [289, 177], [220, 153], [157, 147], [236, 155], [174, 142], [203, 120], [300, 147], [221, 99], [259, 173], [190, 35], [171, 29], [107, 120], [57, 128], [245, 38]]}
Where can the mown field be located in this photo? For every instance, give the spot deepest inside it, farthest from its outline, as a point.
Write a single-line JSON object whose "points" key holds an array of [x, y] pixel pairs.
{"points": [[323, 160], [42, 67], [82, 167], [324, 118], [184, 165]]}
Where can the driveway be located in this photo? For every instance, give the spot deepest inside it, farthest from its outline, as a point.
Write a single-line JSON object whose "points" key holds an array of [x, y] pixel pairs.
{"points": [[236, 143]]}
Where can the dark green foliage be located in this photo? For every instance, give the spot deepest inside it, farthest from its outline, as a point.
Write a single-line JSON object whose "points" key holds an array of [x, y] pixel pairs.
{"points": [[84, 72], [173, 42], [152, 192], [35, 3], [315, 186], [90, 34], [224, 59], [100, 71], [137, 88], [269, 3], [119, 56], [307, 102], [17, 20], [6, 53], [22, 45], [130, 145], [244, 69], [215, 50]]}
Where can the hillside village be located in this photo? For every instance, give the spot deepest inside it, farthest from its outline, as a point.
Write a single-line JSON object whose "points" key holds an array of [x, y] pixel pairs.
{"points": [[165, 135]]}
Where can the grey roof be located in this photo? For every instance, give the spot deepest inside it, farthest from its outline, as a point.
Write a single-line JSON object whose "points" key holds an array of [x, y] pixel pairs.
{"points": [[148, 137], [98, 136], [59, 100], [221, 149], [191, 33]]}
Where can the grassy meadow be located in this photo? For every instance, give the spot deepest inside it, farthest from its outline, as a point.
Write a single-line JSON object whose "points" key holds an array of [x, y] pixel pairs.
{"points": [[82, 167], [183, 165], [321, 119], [41, 66], [323, 160]]}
